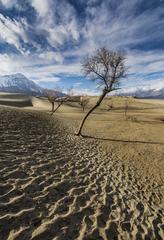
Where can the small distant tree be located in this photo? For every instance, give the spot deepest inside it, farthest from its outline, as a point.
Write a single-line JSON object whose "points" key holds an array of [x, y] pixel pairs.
{"points": [[110, 104], [60, 101], [106, 67], [128, 101], [84, 100], [55, 96], [51, 96]]}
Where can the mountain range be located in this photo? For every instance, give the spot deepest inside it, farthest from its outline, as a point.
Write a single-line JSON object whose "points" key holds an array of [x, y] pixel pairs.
{"points": [[18, 83], [142, 92]]}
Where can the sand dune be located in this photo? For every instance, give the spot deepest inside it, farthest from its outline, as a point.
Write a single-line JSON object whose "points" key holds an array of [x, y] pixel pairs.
{"points": [[54, 185], [15, 100], [152, 101]]}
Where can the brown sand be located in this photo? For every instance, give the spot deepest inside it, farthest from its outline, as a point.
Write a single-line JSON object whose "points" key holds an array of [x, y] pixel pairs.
{"points": [[54, 185]]}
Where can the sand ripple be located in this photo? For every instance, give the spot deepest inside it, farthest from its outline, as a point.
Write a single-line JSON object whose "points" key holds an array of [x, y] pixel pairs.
{"points": [[57, 186]]}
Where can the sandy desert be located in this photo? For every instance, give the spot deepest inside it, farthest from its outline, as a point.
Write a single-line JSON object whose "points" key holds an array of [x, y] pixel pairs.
{"points": [[106, 185]]}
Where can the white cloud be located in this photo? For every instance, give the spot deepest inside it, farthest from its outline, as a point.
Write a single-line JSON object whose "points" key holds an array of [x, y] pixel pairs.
{"points": [[43, 70], [67, 69], [57, 35], [8, 3], [9, 65], [58, 20], [145, 62], [43, 7], [122, 28], [46, 78], [118, 29], [52, 56], [12, 31]]}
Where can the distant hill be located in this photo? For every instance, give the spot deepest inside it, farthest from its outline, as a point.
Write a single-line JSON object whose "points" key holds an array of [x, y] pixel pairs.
{"points": [[18, 83]]}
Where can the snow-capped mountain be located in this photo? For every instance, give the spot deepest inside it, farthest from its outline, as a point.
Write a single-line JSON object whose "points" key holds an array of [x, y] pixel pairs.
{"points": [[151, 93], [142, 92], [18, 83]]}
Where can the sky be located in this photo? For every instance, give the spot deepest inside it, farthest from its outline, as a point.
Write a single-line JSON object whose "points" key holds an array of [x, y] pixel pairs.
{"points": [[47, 40]]}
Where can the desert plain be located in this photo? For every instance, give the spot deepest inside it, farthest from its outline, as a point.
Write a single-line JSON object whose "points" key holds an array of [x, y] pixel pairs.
{"points": [[106, 185]]}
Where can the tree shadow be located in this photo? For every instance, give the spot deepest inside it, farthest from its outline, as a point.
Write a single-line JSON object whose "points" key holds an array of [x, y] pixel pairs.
{"points": [[121, 140]]}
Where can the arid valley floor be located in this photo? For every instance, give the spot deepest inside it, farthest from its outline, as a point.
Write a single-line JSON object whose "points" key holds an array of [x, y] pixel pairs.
{"points": [[107, 185]]}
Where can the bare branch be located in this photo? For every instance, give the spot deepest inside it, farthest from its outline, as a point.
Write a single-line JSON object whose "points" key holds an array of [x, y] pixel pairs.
{"points": [[106, 67]]}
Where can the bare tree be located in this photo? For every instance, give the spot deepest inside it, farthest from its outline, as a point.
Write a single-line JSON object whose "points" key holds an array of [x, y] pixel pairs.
{"points": [[60, 101], [84, 100], [51, 96], [54, 96], [106, 67], [110, 104], [128, 101]]}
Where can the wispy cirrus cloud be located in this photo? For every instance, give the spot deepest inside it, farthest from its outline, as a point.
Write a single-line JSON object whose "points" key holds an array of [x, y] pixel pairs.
{"points": [[57, 19], [37, 68], [12, 32]]}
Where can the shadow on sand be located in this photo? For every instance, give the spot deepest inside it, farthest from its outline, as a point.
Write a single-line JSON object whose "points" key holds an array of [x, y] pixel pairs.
{"points": [[120, 140]]}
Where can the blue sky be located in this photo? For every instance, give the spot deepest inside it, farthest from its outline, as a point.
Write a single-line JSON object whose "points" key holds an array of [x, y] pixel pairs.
{"points": [[46, 40]]}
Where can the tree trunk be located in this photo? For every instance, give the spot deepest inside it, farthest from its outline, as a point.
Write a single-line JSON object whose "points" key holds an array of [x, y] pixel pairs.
{"points": [[52, 107], [56, 108], [90, 111]]}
